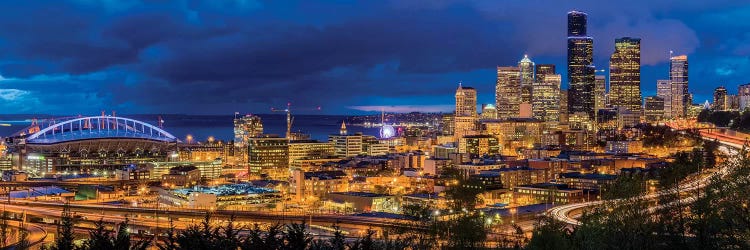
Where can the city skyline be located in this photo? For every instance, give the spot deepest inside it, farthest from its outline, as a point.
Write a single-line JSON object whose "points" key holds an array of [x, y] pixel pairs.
{"points": [[115, 60]]}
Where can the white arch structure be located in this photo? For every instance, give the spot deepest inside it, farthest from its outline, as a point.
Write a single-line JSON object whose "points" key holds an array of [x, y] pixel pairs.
{"points": [[98, 127]]}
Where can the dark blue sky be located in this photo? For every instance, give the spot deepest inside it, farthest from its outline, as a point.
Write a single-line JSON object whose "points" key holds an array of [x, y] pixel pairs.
{"points": [[218, 57]]}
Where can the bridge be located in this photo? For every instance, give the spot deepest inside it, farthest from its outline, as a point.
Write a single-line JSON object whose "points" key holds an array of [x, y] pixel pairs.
{"points": [[99, 127]]}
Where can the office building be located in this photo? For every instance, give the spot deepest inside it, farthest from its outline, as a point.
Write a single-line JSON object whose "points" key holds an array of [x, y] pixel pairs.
{"points": [[580, 68], [678, 77], [246, 127], [466, 101], [488, 111], [733, 102], [664, 91], [345, 145], [447, 123], [526, 67], [508, 92], [654, 109], [743, 94], [465, 117], [720, 99], [625, 74], [268, 155], [564, 115], [309, 150], [546, 99], [600, 92], [479, 145], [542, 70]]}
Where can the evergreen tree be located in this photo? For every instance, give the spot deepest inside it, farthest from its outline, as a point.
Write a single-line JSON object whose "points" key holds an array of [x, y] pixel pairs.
{"points": [[296, 236], [65, 237]]}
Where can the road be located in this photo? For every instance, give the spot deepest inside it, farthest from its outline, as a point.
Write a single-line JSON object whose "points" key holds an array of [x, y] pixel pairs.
{"points": [[150, 218], [37, 233]]}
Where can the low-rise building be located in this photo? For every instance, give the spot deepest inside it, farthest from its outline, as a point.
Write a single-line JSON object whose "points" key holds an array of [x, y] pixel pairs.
{"points": [[624, 147], [133, 172], [14, 175], [589, 181], [552, 193], [363, 202], [221, 196], [317, 185], [182, 176]]}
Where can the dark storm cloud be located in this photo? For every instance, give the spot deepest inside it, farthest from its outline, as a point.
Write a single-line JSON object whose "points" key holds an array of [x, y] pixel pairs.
{"points": [[223, 56]]}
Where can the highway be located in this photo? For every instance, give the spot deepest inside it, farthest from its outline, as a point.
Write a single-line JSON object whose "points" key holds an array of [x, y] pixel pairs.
{"points": [[566, 213], [146, 218]]}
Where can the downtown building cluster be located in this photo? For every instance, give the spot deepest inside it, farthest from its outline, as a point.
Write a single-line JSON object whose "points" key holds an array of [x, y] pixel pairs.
{"points": [[538, 143]]}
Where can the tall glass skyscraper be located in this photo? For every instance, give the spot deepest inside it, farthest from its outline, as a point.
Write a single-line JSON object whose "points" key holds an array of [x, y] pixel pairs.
{"points": [[508, 92], [580, 68], [678, 77], [664, 90], [625, 74], [527, 78]]}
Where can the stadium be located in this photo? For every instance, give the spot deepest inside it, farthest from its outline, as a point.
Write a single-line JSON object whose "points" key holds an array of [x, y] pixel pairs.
{"points": [[85, 145]]}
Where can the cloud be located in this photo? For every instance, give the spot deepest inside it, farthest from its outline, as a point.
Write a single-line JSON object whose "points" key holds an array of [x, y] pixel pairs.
{"points": [[222, 56]]}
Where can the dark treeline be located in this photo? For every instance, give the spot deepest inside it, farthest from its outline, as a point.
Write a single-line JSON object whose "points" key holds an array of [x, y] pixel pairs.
{"points": [[733, 119]]}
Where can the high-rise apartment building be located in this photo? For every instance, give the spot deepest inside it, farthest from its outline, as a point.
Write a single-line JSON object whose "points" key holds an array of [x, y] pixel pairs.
{"points": [[678, 77], [664, 91], [580, 68], [546, 99], [720, 99], [625, 74], [526, 67], [508, 92]]}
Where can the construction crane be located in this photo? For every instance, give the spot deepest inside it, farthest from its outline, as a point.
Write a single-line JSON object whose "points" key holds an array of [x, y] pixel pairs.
{"points": [[289, 118]]}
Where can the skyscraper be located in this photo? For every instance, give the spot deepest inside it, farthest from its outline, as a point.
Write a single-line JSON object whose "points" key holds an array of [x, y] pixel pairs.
{"points": [[654, 109], [664, 90], [508, 92], [600, 92], [743, 91], [246, 127], [564, 117], [580, 68], [678, 77], [526, 67], [466, 101], [625, 74], [720, 99], [542, 70], [466, 112], [577, 23], [546, 99]]}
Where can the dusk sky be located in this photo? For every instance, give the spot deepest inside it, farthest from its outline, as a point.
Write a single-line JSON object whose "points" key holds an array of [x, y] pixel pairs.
{"points": [[349, 57]]}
